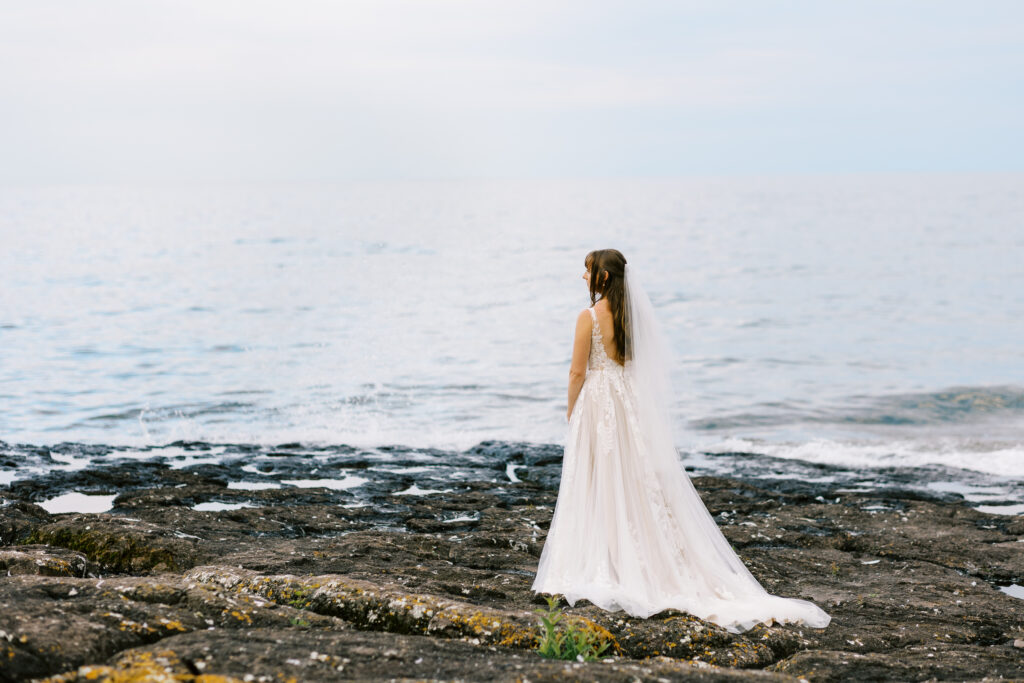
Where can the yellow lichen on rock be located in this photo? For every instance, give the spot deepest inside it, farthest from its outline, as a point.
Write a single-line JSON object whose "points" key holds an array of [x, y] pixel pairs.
{"points": [[173, 625], [140, 666], [374, 608], [241, 615]]}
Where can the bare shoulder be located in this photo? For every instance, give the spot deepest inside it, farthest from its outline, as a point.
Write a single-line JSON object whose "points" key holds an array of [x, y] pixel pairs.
{"points": [[583, 317]]}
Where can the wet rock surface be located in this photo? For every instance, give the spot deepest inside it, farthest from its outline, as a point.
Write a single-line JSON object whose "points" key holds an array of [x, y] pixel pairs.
{"points": [[396, 564]]}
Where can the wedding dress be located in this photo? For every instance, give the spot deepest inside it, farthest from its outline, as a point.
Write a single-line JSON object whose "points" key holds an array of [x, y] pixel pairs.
{"points": [[629, 531]]}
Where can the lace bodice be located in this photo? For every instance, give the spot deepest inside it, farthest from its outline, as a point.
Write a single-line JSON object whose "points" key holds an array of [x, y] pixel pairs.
{"points": [[599, 359]]}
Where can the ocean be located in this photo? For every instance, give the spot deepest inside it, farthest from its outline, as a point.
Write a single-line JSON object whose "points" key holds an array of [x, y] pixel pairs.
{"points": [[864, 321]]}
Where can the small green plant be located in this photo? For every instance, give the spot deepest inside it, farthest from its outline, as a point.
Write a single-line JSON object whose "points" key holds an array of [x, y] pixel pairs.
{"points": [[567, 642], [301, 623], [834, 569], [299, 598]]}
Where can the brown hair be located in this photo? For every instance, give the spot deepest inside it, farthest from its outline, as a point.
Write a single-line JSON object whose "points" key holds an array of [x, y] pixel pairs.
{"points": [[613, 289]]}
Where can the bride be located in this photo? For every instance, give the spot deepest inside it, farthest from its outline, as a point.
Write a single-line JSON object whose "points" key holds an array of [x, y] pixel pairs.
{"points": [[629, 531]]}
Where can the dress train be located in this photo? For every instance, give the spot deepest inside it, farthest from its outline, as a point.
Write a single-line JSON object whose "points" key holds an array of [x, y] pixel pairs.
{"points": [[626, 536]]}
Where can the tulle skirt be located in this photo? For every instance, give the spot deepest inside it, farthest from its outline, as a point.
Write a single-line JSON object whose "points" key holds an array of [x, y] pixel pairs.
{"points": [[628, 536]]}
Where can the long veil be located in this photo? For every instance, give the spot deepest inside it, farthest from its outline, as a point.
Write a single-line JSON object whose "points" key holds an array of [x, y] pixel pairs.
{"points": [[741, 600]]}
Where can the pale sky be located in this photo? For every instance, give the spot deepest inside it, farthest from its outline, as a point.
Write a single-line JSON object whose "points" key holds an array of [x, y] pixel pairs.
{"points": [[124, 91]]}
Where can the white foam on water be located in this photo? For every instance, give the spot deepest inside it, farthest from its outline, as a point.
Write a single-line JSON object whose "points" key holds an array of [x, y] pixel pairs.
{"points": [[1001, 509], [796, 475], [336, 484], [72, 463], [415, 490], [462, 518], [216, 506], [8, 476], [78, 502], [969, 492], [253, 485], [137, 453], [194, 459], [322, 429], [998, 458], [417, 469]]}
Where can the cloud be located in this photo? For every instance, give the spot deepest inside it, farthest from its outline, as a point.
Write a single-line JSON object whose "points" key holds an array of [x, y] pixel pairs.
{"points": [[235, 90]]}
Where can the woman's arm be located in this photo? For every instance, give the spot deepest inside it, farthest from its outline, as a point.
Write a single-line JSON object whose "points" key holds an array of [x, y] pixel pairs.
{"points": [[580, 354]]}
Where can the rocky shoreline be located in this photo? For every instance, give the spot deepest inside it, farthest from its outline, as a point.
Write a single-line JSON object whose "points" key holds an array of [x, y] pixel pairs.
{"points": [[386, 569]]}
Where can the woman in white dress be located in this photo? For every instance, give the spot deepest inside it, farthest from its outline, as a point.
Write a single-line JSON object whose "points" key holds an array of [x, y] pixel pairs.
{"points": [[629, 531]]}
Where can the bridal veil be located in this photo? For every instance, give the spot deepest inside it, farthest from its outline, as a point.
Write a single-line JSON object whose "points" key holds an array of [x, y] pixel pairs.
{"points": [[740, 601]]}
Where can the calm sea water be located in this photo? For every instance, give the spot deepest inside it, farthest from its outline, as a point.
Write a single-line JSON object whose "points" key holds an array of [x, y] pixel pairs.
{"points": [[866, 321]]}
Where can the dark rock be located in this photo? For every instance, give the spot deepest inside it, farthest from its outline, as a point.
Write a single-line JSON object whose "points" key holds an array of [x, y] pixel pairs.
{"points": [[365, 584], [294, 654]]}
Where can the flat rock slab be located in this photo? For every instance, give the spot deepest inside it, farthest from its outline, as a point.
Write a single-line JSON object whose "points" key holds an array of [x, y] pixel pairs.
{"points": [[313, 655]]}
